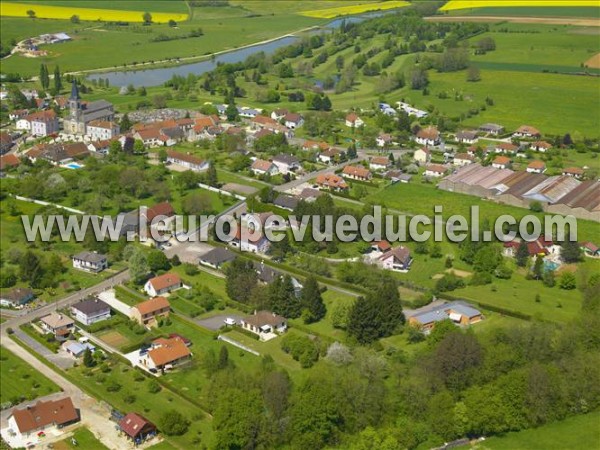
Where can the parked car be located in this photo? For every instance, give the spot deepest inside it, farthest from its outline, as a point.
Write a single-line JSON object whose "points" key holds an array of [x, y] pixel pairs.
{"points": [[229, 321]]}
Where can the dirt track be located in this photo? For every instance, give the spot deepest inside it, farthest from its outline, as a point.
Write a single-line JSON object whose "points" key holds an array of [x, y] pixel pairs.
{"points": [[582, 22], [593, 62]]}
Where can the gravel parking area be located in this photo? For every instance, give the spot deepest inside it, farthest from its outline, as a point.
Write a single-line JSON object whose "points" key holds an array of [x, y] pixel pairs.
{"points": [[216, 322]]}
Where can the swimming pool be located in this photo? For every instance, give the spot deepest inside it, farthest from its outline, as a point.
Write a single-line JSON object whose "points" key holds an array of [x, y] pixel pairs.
{"points": [[73, 166], [551, 265]]}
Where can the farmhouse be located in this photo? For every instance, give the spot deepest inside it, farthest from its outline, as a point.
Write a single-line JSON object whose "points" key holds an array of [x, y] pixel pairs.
{"points": [[536, 167], [575, 172], [435, 170], [397, 259], [540, 146], [98, 130], [462, 159], [148, 312], [422, 156], [264, 323], [526, 131], [460, 313], [331, 181], [188, 161], [357, 173], [217, 257], [466, 137], [263, 167], [293, 120], [313, 145], [501, 162], [90, 262], [166, 353], [286, 163], [379, 163], [506, 147], [162, 284], [57, 324], [153, 138], [491, 128], [16, 297], [353, 121], [428, 136], [90, 311], [137, 427], [42, 416]]}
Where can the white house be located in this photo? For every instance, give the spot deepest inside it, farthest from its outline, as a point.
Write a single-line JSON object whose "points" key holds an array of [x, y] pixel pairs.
{"points": [[435, 170], [462, 159], [397, 259], [43, 123], [163, 284], [540, 146], [293, 120], [286, 163], [262, 167], [90, 262], [23, 124], [264, 323], [501, 162], [353, 121], [466, 137], [383, 140], [422, 156], [90, 311], [379, 163], [428, 136], [279, 114], [101, 130], [536, 167], [188, 161]]}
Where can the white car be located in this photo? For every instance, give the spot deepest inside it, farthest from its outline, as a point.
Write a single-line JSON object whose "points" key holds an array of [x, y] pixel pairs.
{"points": [[229, 321]]}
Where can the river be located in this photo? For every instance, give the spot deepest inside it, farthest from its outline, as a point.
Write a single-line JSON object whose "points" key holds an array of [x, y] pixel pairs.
{"points": [[157, 77]]}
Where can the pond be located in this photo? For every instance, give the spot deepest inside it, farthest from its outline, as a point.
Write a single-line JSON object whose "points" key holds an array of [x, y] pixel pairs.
{"points": [[157, 77]]}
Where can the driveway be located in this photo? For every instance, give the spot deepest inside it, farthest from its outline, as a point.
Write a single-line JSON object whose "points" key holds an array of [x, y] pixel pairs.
{"points": [[214, 323], [60, 359], [109, 297]]}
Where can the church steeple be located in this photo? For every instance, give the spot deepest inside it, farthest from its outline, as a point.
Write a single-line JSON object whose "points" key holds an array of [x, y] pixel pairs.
{"points": [[74, 91], [74, 104]]}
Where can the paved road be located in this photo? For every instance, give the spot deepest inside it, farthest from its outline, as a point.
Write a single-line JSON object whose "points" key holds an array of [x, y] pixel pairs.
{"points": [[60, 360], [309, 176]]}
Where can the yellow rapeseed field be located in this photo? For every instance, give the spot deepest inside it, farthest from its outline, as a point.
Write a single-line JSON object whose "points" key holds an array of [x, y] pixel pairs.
{"points": [[91, 14], [460, 4], [330, 13]]}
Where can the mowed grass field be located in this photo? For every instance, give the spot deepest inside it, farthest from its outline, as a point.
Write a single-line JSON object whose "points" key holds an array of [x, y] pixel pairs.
{"points": [[473, 4], [90, 14], [329, 13], [20, 380], [575, 433]]}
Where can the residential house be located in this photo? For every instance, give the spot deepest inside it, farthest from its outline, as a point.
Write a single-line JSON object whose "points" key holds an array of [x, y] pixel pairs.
{"points": [[100, 147], [314, 145], [99, 130], [148, 312], [384, 140], [331, 181], [153, 138], [267, 275], [428, 136], [293, 120], [250, 240], [466, 137], [164, 354], [380, 247], [43, 416], [90, 261], [459, 312], [260, 122], [536, 167], [8, 161], [330, 156], [286, 163], [90, 311], [357, 173], [379, 163], [162, 284], [501, 162], [6, 142], [279, 114], [309, 195], [264, 167], [188, 161], [491, 128], [387, 109], [77, 349], [16, 297], [540, 146], [575, 172], [506, 148], [43, 123], [159, 216], [397, 259], [216, 257], [422, 156], [412, 111], [590, 249], [526, 131], [462, 159], [539, 247], [286, 202], [264, 323], [137, 428], [23, 123], [17, 114], [353, 121], [435, 170], [57, 324]]}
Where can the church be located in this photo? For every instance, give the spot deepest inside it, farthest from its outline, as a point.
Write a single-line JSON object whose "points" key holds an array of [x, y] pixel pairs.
{"points": [[82, 113]]}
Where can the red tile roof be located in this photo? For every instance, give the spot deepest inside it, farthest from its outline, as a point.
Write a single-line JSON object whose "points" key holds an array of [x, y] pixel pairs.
{"points": [[9, 161], [165, 281], [153, 305], [41, 414], [356, 171], [168, 351], [133, 424]]}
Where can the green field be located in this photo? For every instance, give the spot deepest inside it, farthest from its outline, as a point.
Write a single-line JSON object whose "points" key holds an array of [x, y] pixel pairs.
{"points": [[531, 11], [84, 438], [575, 433], [20, 381]]}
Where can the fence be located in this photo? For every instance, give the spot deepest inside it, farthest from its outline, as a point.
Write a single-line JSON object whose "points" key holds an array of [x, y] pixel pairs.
{"points": [[43, 203], [237, 344], [221, 191]]}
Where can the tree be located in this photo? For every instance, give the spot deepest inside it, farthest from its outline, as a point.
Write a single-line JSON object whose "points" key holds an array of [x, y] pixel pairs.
{"points": [[157, 260], [339, 354], [418, 79], [473, 74], [172, 23], [312, 302], [212, 178], [88, 358], [570, 252], [197, 203], [57, 80], [138, 146], [147, 18], [538, 268], [138, 266], [522, 254], [162, 155], [173, 423], [31, 13], [568, 281], [241, 279], [283, 299], [44, 78], [536, 206], [114, 148], [125, 124], [223, 362], [30, 268], [75, 18]]}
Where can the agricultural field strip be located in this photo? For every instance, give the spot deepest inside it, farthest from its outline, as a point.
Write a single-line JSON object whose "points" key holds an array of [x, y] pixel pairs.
{"points": [[474, 4]]}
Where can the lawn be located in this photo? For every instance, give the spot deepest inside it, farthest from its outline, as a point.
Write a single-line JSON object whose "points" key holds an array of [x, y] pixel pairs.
{"points": [[575, 433], [20, 381], [84, 438]]}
